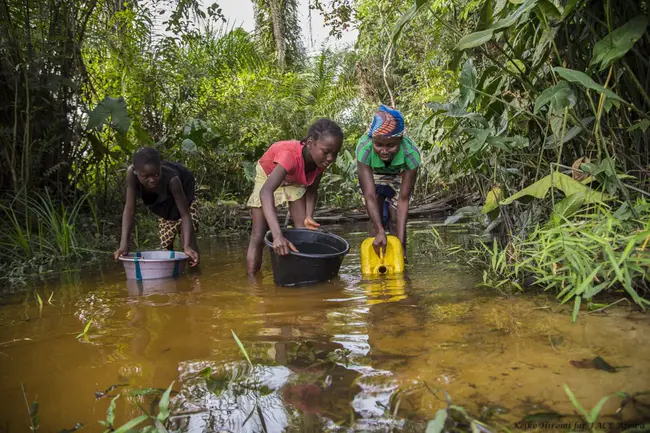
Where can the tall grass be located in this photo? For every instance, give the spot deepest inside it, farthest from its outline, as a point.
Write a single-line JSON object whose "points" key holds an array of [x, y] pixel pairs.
{"points": [[41, 224], [595, 251], [39, 233]]}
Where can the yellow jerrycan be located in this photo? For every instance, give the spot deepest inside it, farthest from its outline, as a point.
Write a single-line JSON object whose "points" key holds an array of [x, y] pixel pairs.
{"points": [[390, 263]]}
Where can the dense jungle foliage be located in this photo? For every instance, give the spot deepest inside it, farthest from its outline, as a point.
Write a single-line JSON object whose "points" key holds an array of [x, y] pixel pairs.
{"points": [[540, 106]]}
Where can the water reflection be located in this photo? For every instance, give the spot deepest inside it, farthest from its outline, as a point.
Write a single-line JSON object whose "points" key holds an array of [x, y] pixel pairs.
{"points": [[382, 289]]}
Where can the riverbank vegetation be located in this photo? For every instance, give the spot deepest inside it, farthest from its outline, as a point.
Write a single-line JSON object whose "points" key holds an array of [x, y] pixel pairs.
{"points": [[540, 108]]}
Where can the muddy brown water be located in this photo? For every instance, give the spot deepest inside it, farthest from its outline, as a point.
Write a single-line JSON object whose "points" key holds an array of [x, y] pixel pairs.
{"points": [[349, 355]]}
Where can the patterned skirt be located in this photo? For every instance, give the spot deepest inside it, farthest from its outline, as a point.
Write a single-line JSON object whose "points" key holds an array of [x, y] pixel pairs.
{"points": [[169, 229]]}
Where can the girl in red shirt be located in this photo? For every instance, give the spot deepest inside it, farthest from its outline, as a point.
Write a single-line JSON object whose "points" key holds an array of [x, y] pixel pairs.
{"points": [[289, 172]]}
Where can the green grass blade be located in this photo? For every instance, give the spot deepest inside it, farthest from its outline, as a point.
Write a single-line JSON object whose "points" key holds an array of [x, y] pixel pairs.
{"points": [[163, 406], [130, 424], [242, 348]]}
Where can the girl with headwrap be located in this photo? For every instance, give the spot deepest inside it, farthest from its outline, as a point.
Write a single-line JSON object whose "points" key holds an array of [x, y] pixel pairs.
{"points": [[387, 162]]}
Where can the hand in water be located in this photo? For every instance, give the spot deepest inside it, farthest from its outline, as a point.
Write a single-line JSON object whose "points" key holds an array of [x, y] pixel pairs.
{"points": [[311, 224], [281, 246], [120, 252], [379, 244], [193, 255]]}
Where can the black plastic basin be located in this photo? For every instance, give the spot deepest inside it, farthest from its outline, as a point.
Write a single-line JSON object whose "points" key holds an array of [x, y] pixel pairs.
{"points": [[318, 258]]}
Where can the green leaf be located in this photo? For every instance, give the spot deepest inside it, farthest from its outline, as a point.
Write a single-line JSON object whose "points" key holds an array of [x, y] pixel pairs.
{"points": [[516, 66], [487, 15], [467, 83], [242, 348], [569, 7], [110, 412], [584, 80], [567, 207], [562, 182], [558, 96], [86, 329], [576, 308], [115, 108], [492, 200], [575, 402], [476, 144], [595, 412], [160, 428], [130, 424], [163, 406], [406, 18], [514, 17], [508, 143], [616, 44], [188, 146], [474, 40], [588, 281], [438, 423], [549, 9], [643, 125]]}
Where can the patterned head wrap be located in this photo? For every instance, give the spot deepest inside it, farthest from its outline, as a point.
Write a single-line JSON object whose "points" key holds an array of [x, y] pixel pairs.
{"points": [[387, 123]]}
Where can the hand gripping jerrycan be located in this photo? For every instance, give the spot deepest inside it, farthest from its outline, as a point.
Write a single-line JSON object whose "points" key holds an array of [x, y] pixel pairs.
{"points": [[392, 262]]}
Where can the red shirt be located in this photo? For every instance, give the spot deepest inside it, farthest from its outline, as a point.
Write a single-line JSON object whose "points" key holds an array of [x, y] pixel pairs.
{"points": [[289, 155]]}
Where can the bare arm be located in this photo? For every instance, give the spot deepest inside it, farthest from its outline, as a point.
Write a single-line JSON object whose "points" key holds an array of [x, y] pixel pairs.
{"points": [[272, 183], [280, 245], [128, 215], [187, 230], [408, 182], [312, 196], [367, 184]]}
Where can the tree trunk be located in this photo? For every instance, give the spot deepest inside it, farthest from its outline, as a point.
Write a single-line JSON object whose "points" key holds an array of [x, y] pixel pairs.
{"points": [[278, 30]]}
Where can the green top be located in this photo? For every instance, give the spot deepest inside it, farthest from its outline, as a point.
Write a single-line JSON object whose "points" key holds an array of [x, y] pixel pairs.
{"points": [[406, 158]]}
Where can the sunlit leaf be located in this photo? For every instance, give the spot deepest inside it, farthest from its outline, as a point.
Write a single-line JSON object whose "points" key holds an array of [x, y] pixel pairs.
{"points": [[163, 406], [492, 200], [564, 183], [576, 308], [474, 40], [437, 425], [567, 207], [130, 424], [241, 347], [514, 17], [115, 108], [516, 66], [616, 44]]}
